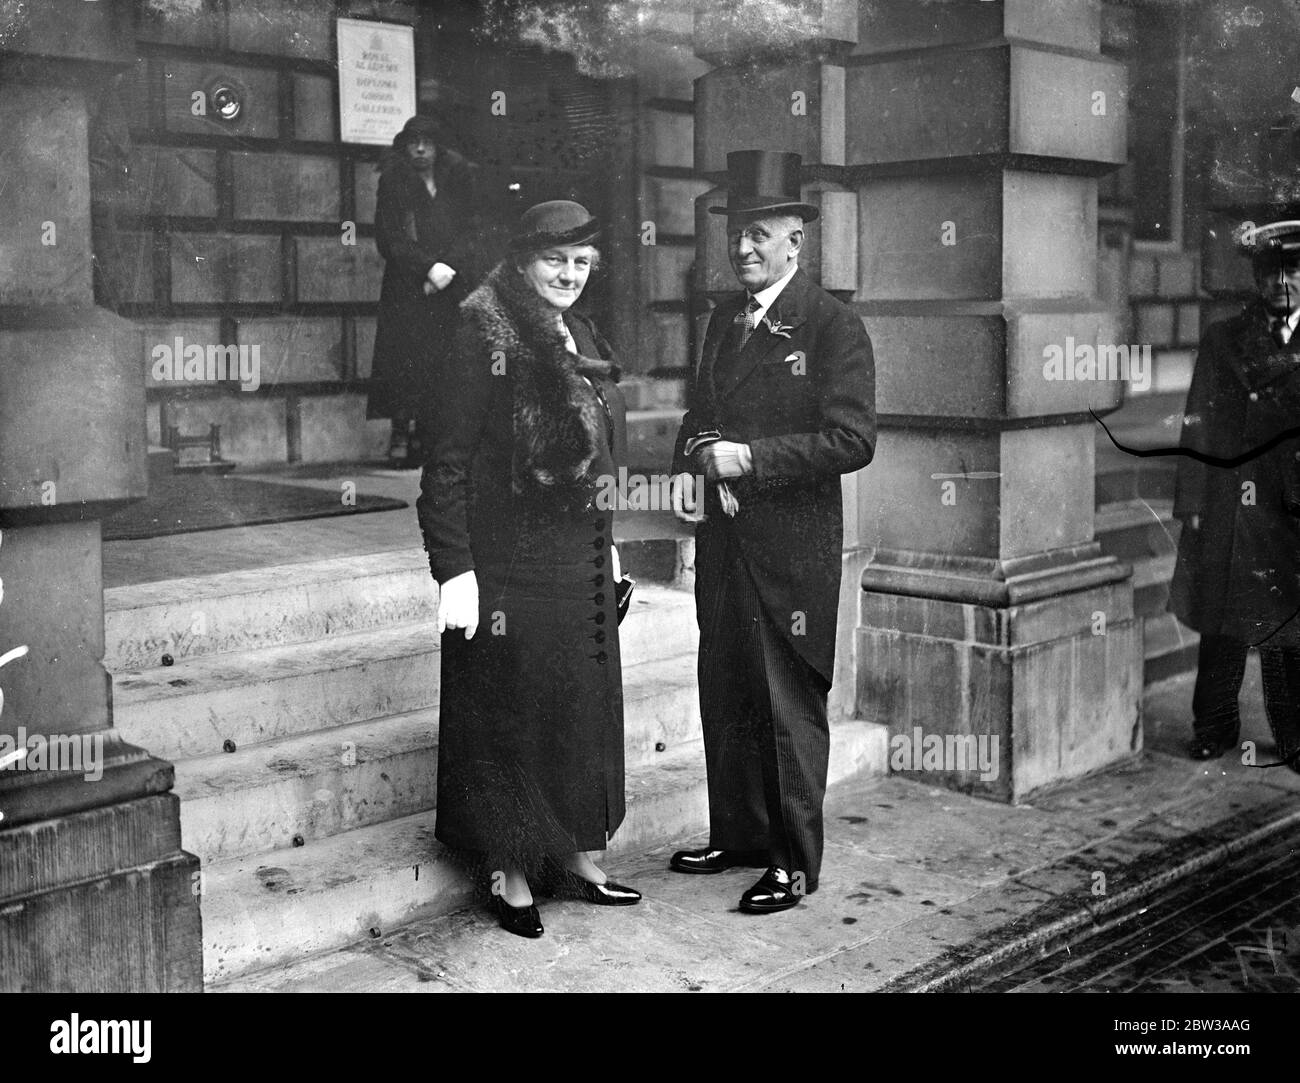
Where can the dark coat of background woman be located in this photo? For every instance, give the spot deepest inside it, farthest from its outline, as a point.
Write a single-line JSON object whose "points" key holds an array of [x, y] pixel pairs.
{"points": [[414, 231]]}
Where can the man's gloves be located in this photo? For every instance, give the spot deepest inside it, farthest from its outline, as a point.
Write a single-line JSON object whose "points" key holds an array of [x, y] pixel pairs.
{"points": [[684, 497], [439, 278], [721, 459], [725, 459], [458, 604]]}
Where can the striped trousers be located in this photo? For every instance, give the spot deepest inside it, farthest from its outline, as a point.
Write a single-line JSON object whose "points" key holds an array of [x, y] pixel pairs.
{"points": [[766, 737], [1220, 669]]}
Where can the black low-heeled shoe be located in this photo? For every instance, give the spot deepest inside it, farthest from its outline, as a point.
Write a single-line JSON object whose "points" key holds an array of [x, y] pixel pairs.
{"points": [[520, 920], [570, 884], [1208, 748]]}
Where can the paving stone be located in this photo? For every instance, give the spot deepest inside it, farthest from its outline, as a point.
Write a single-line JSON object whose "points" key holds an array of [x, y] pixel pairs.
{"points": [[654, 947], [978, 841], [924, 939]]}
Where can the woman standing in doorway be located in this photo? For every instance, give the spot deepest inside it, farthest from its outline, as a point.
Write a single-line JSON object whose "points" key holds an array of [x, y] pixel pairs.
{"points": [[421, 232]]}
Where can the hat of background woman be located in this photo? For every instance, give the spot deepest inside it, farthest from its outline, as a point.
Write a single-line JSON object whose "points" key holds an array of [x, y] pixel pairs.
{"points": [[419, 125], [1276, 237], [764, 182], [558, 221]]}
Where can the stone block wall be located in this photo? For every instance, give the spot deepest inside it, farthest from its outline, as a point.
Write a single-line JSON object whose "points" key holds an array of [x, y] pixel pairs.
{"points": [[232, 232], [667, 188], [1166, 299]]}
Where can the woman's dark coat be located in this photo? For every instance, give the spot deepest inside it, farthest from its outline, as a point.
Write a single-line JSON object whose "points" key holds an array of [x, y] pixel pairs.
{"points": [[1239, 574], [530, 758], [414, 231]]}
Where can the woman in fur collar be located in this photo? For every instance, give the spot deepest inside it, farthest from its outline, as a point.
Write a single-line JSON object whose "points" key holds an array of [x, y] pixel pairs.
{"points": [[530, 750]]}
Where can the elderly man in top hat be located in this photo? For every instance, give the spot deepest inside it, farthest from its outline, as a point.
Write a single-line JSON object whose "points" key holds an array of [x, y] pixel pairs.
{"points": [[1237, 580], [782, 404]]}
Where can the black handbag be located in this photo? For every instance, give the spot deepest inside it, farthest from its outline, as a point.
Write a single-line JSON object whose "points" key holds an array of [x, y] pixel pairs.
{"points": [[623, 596]]}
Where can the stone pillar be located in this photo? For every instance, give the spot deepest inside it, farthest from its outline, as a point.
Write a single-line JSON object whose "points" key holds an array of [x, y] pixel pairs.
{"points": [[975, 136], [95, 891], [954, 148]]}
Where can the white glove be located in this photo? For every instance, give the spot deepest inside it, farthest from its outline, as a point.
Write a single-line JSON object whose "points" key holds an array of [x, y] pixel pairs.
{"points": [[441, 275], [725, 459], [458, 604], [615, 568], [684, 497]]}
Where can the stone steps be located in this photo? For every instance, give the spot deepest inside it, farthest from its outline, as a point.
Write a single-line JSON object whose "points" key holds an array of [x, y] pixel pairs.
{"points": [[324, 675], [1168, 648], [301, 603], [1142, 532], [192, 708], [1134, 529], [276, 907], [270, 690], [1129, 478], [321, 783], [264, 607]]}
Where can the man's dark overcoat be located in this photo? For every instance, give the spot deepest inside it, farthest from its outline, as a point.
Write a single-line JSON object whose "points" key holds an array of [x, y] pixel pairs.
{"points": [[802, 395], [1239, 574]]}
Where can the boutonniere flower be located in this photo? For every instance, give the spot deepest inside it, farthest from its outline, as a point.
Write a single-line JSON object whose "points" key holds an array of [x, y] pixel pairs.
{"points": [[776, 327]]}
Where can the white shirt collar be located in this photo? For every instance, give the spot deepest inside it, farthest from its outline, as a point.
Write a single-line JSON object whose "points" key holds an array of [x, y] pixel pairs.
{"points": [[765, 297], [569, 343]]}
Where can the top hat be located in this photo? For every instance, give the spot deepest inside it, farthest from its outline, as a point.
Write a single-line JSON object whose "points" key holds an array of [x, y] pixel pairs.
{"points": [[556, 222], [764, 182], [1277, 238]]}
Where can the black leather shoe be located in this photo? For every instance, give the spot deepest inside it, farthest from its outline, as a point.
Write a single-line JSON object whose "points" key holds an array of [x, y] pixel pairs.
{"points": [[774, 891], [1209, 748], [520, 920], [709, 860], [571, 885]]}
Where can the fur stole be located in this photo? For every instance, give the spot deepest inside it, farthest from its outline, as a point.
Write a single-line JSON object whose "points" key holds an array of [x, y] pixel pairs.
{"points": [[559, 419]]}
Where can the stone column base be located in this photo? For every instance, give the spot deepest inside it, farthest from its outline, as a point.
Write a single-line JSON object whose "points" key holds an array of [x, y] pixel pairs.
{"points": [[103, 900], [999, 678]]}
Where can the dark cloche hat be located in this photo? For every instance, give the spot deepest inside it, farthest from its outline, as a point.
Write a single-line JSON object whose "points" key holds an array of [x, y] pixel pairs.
{"points": [[1274, 238], [418, 125], [555, 222], [761, 181]]}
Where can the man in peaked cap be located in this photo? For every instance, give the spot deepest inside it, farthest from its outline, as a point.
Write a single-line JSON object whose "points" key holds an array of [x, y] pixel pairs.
{"points": [[782, 404], [1237, 580]]}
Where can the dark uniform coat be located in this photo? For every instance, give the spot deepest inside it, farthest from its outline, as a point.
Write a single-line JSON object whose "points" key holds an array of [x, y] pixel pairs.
{"points": [[530, 757], [1239, 574], [413, 231], [803, 397]]}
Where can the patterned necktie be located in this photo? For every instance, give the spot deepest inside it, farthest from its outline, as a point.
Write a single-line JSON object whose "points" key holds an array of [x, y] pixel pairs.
{"points": [[1281, 330], [745, 322]]}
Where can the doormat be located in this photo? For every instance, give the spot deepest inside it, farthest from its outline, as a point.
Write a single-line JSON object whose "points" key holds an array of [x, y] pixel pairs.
{"points": [[186, 504]]}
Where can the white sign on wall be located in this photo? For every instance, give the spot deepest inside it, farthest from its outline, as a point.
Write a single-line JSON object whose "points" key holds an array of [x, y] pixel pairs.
{"points": [[376, 80]]}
